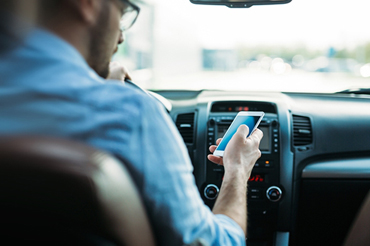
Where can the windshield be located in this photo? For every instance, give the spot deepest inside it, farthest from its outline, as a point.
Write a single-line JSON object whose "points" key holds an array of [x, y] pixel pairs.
{"points": [[303, 46]]}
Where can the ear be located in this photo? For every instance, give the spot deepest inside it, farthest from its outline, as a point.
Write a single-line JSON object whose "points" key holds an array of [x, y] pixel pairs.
{"points": [[88, 10]]}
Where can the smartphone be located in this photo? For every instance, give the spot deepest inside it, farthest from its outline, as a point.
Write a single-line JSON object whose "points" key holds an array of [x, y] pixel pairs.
{"points": [[251, 119]]}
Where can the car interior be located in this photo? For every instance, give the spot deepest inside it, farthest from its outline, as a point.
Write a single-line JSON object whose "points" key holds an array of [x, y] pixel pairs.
{"points": [[313, 176], [309, 188]]}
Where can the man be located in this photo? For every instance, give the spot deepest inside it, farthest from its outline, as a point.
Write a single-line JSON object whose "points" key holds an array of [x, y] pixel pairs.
{"points": [[49, 88]]}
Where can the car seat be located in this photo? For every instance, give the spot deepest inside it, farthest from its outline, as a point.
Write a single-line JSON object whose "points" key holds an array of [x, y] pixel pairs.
{"points": [[61, 192]]}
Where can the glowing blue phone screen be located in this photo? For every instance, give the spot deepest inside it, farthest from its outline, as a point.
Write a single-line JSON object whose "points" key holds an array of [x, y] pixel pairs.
{"points": [[248, 120]]}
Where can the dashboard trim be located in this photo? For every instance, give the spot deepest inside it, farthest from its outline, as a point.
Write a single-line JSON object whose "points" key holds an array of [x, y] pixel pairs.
{"points": [[348, 168], [286, 165]]}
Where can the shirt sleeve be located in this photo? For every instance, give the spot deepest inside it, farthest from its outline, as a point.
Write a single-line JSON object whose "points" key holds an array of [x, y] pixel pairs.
{"points": [[170, 193]]}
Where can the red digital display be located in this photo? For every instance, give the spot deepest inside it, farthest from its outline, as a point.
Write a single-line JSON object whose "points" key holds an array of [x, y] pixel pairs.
{"points": [[257, 178], [238, 109]]}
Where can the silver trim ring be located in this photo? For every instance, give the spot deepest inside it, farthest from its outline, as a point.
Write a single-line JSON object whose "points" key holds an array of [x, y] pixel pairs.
{"points": [[214, 186], [277, 188]]}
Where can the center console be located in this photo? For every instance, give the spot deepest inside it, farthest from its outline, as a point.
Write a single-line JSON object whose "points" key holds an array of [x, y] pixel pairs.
{"points": [[264, 190]]}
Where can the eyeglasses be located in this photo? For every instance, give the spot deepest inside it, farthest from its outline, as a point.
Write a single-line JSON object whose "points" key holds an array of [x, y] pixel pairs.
{"points": [[129, 15]]}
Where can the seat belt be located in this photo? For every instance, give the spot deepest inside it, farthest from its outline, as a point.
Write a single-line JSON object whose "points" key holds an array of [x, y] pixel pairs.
{"points": [[359, 234]]}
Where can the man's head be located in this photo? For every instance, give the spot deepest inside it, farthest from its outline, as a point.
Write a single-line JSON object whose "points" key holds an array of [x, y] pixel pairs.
{"points": [[91, 26]]}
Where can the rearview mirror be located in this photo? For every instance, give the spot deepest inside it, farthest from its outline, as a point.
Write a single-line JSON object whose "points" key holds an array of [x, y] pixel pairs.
{"points": [[239, 3]]}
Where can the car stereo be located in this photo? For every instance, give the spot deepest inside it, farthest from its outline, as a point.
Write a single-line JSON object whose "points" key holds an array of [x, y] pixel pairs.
{"points": [[264, 189], [223, 124]]}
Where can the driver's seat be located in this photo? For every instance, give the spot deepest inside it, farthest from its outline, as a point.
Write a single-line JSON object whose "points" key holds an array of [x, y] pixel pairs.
{"points": [[59, 192]]}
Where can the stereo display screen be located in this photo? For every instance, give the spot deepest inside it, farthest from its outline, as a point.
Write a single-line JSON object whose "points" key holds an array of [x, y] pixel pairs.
{"points": [[265, 142]]}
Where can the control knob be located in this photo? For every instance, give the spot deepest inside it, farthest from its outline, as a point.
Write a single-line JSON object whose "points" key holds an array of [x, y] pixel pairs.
{"points": [[211, 192], [274, 193]]}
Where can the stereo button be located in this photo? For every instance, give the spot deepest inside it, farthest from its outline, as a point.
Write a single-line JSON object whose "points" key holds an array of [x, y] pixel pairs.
{"points": [[255, 190]]}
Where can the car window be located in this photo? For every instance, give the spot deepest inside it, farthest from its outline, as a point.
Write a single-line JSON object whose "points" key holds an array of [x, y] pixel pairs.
{"points": [[306, 45]]}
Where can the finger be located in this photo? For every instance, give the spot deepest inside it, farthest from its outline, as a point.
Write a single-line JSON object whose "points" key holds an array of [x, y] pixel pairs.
{"points": [[113, 64], [257, 134], [215, 159], [212, 148], [218, 141], [127, 76], [242, 131]]}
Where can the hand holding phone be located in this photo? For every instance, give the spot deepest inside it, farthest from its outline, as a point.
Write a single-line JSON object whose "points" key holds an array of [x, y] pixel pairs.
{"points": [[251, 119]]}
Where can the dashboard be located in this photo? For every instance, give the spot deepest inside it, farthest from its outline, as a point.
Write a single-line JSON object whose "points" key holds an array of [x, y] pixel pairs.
{"points": [[314, 171]]}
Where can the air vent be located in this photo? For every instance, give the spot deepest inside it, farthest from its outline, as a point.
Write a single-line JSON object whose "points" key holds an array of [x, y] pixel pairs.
{"points": [[185, 124], [302, 131]]}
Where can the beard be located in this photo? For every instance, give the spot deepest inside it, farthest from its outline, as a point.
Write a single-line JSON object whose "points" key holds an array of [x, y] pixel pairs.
{"points": [[101, 47]]}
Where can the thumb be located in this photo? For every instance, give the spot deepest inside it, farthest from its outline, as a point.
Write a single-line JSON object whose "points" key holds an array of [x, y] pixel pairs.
{"points": [[242, 132]]}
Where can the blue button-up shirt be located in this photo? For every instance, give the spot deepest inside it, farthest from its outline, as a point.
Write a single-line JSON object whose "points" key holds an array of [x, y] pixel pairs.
{"points": [[47, 88]]}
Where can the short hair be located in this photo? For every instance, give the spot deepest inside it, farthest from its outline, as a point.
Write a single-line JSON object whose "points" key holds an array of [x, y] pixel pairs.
{"points": [[48, 8]]}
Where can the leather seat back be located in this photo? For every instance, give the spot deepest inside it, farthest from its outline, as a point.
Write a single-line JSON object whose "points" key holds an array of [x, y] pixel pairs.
{"points": [[60, 192]]}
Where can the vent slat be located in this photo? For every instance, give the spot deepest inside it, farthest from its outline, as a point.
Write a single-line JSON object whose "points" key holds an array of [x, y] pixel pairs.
{"points": [[302, 131], [185, 125]]}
